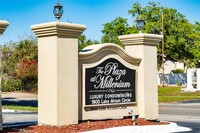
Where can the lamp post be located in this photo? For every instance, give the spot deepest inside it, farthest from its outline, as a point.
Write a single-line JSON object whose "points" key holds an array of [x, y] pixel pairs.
{"points": [[140, 24], [163, 53], [58, 11]]}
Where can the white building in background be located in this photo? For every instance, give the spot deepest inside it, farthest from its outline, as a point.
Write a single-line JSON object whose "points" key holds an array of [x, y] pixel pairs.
{"points": [[193, 79], [170, 78], [170, 65]]}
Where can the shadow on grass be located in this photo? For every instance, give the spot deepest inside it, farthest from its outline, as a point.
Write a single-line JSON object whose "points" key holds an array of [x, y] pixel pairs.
{"points": [[17, 102]]}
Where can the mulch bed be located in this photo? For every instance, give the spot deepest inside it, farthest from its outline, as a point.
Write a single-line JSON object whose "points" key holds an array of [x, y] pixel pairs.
{"points": [[83, 126]]}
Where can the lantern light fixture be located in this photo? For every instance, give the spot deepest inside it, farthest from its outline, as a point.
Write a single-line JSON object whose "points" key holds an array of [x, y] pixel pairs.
{"points": [[140, 24], [58, 11]]}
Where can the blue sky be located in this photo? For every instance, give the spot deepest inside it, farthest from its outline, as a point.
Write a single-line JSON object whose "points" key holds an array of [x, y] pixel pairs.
{"points": [[93, 13]]}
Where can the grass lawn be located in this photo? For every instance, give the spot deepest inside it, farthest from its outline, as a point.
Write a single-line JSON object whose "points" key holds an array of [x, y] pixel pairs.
{"points": [[16, 107], [175, 94]]}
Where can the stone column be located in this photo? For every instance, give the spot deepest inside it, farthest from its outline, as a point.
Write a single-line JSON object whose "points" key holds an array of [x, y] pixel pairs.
{"points": [[3, 25], [143, 46], [58, 72]]}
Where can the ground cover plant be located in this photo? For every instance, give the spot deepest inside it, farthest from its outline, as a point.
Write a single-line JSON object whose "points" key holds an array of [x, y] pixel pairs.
{"points": [[175, 94]]}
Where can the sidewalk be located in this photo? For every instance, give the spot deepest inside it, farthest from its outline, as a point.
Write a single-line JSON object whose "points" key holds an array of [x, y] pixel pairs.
{"points": [[172, 127]]}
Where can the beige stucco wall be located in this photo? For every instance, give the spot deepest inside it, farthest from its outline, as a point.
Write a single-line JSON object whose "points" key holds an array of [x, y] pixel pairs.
{"points": [[56, 81], [58, 72], [144, 46]]}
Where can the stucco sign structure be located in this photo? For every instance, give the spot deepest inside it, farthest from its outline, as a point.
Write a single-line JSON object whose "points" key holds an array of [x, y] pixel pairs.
{"points": [[108, 83], [102, 81]]}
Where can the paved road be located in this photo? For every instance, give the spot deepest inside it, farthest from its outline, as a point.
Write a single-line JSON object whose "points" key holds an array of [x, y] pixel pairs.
{"points": [[20, 99], [20, 118], [185, 114]]}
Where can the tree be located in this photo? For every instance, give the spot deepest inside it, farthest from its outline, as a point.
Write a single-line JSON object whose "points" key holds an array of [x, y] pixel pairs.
{"points": [[197, 43], [7, 62], [26, 54], [197, 26], [181, 37], [117, 27], [83, 42], [151, 14], [19, 65]]}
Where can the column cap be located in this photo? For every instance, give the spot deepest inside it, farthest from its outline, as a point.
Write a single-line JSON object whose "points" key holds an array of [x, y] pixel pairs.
{"points": [[60, 29], [3, 26], [140, 39]]}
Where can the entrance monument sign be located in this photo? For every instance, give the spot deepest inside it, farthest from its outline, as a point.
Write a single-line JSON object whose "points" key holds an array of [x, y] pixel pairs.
{"points": [[109, 83], [102, 81]]}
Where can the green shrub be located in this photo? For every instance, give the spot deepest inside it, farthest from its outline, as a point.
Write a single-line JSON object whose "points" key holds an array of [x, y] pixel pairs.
{"points": [[177, 71], [19, 65], [178, 83], [11, 85], [29, 84]]}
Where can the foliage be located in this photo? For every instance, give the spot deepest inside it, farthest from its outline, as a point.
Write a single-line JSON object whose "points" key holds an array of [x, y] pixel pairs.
{"points": [[11, 85], [178, 83], [182, 39], [177, 71], [117, 27], [19, 66], [83, 42], [197, 44]]}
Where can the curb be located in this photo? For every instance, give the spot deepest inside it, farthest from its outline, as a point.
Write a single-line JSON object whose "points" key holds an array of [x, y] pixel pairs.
{"points": [[172, 127], [19, 124], [8, 111]]}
